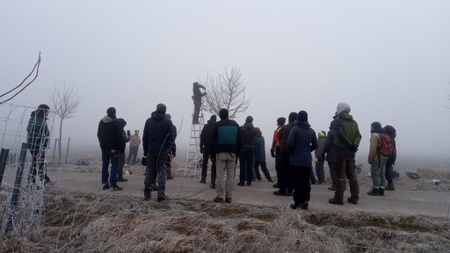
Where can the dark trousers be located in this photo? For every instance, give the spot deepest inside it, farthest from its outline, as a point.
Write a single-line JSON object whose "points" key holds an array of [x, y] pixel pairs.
{"points": [[332, 173], [206, 154], [107, 157], [38, 159], [319, 171], [121, 165], [278, 164], [155, 163], [132, 155], [285, 180], [263, 169], [246, 165], [388, 172], [301, 182], [345, 169], [197, 104]]}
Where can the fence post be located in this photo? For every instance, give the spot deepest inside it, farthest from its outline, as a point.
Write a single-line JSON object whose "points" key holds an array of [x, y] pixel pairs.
{"points": [[67, 152], [3, 159], [16, 190], [54, 150]]}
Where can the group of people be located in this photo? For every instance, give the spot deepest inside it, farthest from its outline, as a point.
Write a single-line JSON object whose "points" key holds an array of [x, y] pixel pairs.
{"points": [[158, 142]]}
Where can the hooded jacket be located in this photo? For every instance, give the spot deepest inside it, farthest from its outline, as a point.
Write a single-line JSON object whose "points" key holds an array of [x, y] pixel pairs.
{"points": [[205, 136], [346, 135], [301, 142], [260, 151], [248, 136], [225, 137], [158, 135], [38, 134], [109, 133], [375, 144]]}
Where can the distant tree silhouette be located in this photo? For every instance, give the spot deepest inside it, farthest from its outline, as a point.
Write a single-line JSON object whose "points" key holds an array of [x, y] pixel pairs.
{"points": [[64, 103], [225, 91]]}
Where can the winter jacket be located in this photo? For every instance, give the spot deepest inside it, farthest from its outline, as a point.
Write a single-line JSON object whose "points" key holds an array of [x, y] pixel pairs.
{"points": [[158, 134], [225, 137], [301, 142], [135, 141], [110, 134], [346, 135], [283, 135], [38, 135], [320, 148], [260, 150], [375, 143], [205, 136], [328, 148], [248, 136], [275, 144], [122, 123]]}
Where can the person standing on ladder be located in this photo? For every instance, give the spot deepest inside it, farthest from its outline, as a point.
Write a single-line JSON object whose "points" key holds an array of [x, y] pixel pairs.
{"points": [[197, 97]]}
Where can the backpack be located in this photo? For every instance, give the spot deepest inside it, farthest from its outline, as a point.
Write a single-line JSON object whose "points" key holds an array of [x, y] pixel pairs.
{"points": [[386, 147]]}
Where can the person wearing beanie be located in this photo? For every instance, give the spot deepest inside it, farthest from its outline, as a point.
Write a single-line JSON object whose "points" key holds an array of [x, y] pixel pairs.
{"points": [[284, 180], [110, 137], [345, 141], [390, 130], [225, 145], [275, 149], [377, 160], [320, 159], [301, 142], [38, 138], [157, 141], [260, 156], [197, 98], [205, 137], [246, 159]]}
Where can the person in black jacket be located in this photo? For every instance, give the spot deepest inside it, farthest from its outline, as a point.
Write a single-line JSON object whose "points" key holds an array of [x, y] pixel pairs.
{"points": [[225, 146], [390, 130], [197, 97], [205, 149], [247, 153], [157, 139], [110, 137]]}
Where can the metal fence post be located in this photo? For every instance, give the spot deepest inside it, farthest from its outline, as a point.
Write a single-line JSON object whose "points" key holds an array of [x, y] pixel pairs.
{"points": [[3, 158]]}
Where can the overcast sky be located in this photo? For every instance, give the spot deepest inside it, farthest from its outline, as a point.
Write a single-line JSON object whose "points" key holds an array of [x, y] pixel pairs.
{"points": [[390, 60]]}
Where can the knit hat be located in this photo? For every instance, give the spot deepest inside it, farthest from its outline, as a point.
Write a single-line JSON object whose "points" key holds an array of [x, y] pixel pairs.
{"points": [[292, 116], [249, 119], [213, 118], [223, 113], [111, 112], [302, 116], [281, 121], [390, 130], [168, 116], [342, 107], [375, 125], [258, 131], [161, 108]]}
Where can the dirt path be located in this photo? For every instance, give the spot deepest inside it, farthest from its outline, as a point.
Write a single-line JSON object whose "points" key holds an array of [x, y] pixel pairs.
{"points": [[400, 202]]}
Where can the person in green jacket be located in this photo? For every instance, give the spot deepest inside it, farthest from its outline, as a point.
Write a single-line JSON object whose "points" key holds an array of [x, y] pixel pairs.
{"points": [[38, 137]]}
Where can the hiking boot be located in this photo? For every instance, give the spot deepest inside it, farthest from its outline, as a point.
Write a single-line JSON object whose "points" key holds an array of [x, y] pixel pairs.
{"points": [[121, 179], [303, 206], [146, 198], [374, 192], [335, 201], [241, 184], [352, 200], [381, 191], [169, 177], [390, 187], [105, 186], [294, 205], [218, 200], [332, 188], [162, 198], [203, 181], [228, 200], [116, 188], [278, 193], [212, 186], [270, 180], [249, 183], [276, 185]]}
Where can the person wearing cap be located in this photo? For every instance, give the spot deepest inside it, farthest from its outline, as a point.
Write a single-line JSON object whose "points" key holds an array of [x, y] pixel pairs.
{"points": [[320, 159], [205, 149], [284, 181], [110, 137], [247, 152], [345, 145], [135, 142], [38, 138], [301, 142], [157, 139], [197, 97], [260, 156], [225, 147], [377, 160]]}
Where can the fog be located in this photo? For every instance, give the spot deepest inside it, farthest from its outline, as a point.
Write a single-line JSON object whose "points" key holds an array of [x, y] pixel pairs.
{"points": [[389, 60]]}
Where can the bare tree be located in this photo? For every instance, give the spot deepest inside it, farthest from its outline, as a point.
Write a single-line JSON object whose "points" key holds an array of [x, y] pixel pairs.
{"points": [[64, 104], [225, 91]]}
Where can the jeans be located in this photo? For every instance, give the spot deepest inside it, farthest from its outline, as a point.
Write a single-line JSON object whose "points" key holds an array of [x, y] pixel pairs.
{"points": [[246, 164], [132, 155], [206, 155], [155, 163], [107, 157]]}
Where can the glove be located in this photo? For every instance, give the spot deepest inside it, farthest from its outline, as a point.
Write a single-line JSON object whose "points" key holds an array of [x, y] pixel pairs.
{"points": [[272, 152], [370, 161], [354, 148]]}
